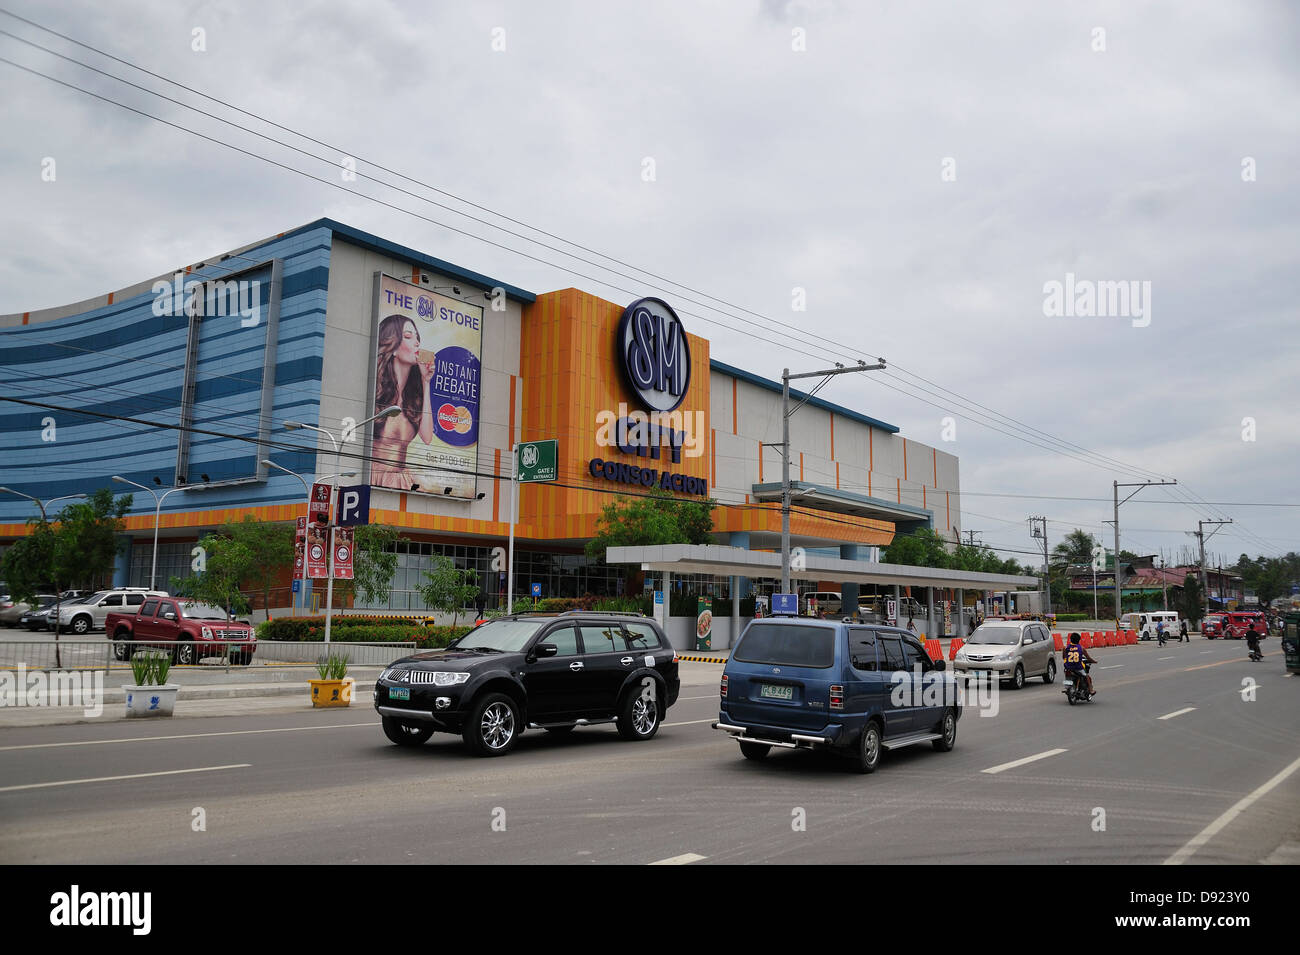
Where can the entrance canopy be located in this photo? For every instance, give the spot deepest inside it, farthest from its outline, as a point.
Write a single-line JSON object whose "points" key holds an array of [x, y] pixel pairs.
{"points": [[740, 562]]}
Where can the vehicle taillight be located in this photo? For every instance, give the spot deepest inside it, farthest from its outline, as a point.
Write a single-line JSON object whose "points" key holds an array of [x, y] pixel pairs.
{"points": [[723, 689], [837, 697], [676, 658]]}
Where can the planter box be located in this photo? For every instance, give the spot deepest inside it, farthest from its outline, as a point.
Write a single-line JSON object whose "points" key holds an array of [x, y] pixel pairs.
{"points": [[332, 692], [144, 701]]}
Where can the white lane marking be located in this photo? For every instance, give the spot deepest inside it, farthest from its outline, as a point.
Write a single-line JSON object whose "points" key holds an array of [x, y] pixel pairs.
{"points": [[1209, 832], [685, 859], [1021, 762], [1205, 651], [1163, 658], [109, 779], [1170, 716], [688, 722], [1113, 666], [151, 739]]}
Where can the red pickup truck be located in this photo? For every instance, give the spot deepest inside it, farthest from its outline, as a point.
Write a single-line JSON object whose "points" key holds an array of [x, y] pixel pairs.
{"points": [[190, 629]]}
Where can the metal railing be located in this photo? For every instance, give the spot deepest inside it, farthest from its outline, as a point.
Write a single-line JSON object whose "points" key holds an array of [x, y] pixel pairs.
{"points": [[108, 655]]}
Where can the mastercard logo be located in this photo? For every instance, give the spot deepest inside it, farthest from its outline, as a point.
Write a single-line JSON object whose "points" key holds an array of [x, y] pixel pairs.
{"points": [[463, 420], [448, 418]]}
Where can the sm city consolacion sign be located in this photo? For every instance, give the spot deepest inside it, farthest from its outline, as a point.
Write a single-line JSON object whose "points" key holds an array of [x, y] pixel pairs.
{"points": [[656, 363]]}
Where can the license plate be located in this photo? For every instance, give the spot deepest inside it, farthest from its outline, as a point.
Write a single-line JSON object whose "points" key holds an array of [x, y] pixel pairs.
{"points": [[769, 692], [399, 692]]}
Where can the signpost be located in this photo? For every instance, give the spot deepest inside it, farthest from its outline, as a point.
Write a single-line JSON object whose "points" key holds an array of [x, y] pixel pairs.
{"points": [[533, 462], [704, 624], [785, 605]]}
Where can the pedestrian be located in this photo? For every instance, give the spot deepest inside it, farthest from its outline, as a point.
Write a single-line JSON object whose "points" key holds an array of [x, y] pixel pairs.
{"points": [[1182, 632], [480, 603], [911, 624], [1160, 632]]}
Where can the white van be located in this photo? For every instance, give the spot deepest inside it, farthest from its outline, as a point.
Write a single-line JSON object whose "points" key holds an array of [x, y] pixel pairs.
{"points": [[1145, 623], [822, 601]]}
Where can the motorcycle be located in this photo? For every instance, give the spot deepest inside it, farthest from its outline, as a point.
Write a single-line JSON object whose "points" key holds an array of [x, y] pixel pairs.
{"points": [[1254, 653], [1075, 686]]}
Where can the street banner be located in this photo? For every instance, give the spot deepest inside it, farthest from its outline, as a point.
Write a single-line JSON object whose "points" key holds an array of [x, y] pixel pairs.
{"points": [[704, 624], [344, 547], [318, 508], [661, 609], [317, 551], [891, 610], [300, 549]]}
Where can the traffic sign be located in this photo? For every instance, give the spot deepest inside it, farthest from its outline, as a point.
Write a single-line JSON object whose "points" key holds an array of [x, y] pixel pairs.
{"points": [[354, 505], [785, 604], [537, 590], [538, 462]]}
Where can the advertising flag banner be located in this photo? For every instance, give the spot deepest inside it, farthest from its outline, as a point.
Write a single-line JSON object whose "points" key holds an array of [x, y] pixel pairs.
{"points": [[300, 549], [318, 508], [428, 352], [704, 625], [317, 551], [344, 546]]}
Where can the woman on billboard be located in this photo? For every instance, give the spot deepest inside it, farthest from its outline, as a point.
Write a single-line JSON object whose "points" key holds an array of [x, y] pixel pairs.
{"points": [[398, 354]]}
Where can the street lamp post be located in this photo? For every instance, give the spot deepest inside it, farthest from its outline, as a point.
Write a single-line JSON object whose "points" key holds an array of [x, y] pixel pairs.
{"points": [[786, 413], [306, 491], [388, 412], [157, 517]]}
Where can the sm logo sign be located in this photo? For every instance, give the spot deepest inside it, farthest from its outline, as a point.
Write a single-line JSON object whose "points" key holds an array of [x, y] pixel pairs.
{"points": [[655, 357]]}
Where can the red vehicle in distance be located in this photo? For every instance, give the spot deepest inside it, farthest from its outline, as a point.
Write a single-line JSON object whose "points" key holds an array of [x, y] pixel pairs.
{"points": [[191, 630]]}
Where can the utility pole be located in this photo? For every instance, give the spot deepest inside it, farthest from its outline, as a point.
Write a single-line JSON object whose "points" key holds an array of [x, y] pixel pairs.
{"points": [[1038, 529], [971, 535], [786, 413], [1200, 538], [1119, 570]]}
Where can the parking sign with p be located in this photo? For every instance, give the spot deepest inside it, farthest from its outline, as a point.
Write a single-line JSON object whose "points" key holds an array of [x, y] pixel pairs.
{"points": [[354, 505]]}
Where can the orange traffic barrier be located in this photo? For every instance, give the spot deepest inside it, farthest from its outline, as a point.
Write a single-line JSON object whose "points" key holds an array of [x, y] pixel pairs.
{"points": [[1132, 638], [1108, 640], [956, 644], [1060, 644], [933, 650], [1086, 641]]}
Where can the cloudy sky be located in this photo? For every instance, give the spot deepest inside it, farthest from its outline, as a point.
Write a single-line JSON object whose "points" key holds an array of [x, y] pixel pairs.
{"points": [[922, 170]]}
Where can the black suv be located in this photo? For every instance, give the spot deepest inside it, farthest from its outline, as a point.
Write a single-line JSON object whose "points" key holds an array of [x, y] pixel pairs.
{"points": [[553, 671]]}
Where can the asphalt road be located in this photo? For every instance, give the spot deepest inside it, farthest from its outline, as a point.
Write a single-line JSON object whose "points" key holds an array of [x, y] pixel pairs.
{"points": [[326, 786]]}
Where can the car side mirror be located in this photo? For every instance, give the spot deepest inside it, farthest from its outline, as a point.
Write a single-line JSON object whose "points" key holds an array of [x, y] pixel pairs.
{"points": [[546, 650], [169, 616], [940, 664]]}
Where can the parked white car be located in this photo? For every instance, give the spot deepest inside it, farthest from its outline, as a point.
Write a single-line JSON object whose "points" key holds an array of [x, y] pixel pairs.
{"points": [[90, 615]]}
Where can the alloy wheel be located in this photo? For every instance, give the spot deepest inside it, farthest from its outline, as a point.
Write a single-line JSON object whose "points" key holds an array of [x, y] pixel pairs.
{"points": [[497, 727]]}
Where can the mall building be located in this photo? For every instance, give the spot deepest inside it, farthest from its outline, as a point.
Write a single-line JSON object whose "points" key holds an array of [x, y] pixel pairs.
{"points": [[184, 383]]}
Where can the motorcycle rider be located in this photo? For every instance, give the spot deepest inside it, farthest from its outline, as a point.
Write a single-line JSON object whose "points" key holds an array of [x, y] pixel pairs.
{"points": [[1075, 656], [1252, 642]]}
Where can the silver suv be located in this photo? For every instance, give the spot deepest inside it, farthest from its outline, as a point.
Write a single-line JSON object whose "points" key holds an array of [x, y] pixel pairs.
{"points": [[91, 613], [1011, 650]]}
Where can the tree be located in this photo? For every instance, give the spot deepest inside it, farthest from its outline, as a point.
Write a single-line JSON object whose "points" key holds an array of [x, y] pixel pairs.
{"points": [[447, 587], [374, 563], [1076, 548], [226, 563], [656, 518], [86, 540], [1190, 601], [270, 547], [28, 565], [922, 548]]}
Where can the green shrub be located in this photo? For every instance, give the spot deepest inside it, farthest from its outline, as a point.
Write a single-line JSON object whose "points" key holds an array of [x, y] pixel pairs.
{"points": [[332, 667], [641, 605], [1072, 617], [149, 667]]}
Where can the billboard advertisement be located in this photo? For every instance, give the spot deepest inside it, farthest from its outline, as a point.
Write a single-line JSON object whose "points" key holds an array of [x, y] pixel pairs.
{"points": [[427, 360]]}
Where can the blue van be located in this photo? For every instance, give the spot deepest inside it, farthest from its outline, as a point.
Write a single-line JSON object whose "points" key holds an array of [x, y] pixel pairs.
{"points": [[852, 688]]}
